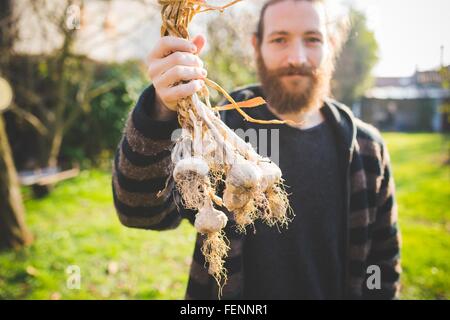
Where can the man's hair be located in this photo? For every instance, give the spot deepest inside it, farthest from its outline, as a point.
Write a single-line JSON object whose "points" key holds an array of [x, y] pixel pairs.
{"points": [[338, 32]]}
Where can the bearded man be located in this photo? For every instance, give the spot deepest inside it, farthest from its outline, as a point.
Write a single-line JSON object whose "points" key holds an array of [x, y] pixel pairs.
{"points": [[343, 242]]}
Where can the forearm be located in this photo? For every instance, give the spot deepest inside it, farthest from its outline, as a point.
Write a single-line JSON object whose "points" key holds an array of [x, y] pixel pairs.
{"points": [[142, 166]]}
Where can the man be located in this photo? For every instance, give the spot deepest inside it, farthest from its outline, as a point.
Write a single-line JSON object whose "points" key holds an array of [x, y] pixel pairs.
{"points": [[337, 169]]}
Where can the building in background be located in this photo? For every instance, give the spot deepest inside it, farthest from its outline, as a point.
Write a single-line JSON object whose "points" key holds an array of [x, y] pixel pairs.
{"points": [[417, 103]]}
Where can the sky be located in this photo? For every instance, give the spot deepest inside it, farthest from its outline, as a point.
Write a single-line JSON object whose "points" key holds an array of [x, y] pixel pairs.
{"points": [[410, 33]]}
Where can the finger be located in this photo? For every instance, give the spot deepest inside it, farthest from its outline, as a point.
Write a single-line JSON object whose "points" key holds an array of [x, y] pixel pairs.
{"points": [[183, 90], [167, 45], [161, 66], [199, 41], [181, 73]]}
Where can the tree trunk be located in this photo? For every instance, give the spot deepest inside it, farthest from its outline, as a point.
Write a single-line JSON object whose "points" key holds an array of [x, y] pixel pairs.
{"points": [[13, 233], [52, 160]]}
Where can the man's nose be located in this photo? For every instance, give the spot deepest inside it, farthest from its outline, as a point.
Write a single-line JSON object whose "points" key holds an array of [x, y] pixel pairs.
{"points": [[297, 54]]}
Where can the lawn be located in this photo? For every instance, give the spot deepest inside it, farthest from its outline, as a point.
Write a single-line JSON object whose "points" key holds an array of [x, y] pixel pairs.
{"points": [[421, 167], [77, 225]]}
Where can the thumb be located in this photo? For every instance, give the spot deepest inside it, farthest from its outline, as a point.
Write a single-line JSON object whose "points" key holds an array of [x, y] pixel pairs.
{"points": [[199, 41]]}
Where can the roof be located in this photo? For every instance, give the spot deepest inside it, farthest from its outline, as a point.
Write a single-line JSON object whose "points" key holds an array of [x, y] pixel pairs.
{"points": [[435, 77], [393, 81], [406, 93], [421, 85]]}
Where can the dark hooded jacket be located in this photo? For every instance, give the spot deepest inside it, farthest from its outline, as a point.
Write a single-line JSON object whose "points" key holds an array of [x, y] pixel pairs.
{"points": [[143, 164]]}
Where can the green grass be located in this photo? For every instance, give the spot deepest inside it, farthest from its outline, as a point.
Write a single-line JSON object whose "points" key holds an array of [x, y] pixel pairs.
{"points": [[422, 173], [77, 225]]}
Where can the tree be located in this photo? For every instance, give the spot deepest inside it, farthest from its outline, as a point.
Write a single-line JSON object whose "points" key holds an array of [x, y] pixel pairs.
{"points": [[229, 55], [13, 233], [45, 101], [56, 86], [356, 61]]}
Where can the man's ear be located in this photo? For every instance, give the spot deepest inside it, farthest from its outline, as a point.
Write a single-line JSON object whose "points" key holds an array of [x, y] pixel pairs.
{"points": [[255, 42], [256, 47]]}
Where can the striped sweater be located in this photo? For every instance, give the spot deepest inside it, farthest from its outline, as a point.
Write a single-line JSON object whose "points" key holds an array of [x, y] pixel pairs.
{"points": [[142, 166]]}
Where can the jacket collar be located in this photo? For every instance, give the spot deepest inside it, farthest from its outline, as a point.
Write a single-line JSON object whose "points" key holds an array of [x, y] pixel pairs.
{"points": [[343, 122]]}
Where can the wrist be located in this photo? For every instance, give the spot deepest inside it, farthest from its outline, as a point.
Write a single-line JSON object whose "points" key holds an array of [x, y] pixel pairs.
{"points": [[161, 112]]}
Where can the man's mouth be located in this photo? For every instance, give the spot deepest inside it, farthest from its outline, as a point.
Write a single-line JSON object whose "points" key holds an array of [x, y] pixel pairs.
{"points": [[294, 75]]}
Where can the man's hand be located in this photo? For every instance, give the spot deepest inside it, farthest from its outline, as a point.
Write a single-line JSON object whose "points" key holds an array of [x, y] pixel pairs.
{"points": [[171, 62]]}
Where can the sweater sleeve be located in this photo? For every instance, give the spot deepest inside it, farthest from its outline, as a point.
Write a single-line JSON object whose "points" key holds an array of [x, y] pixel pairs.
{"points": [[142, 166], [386, 240]]}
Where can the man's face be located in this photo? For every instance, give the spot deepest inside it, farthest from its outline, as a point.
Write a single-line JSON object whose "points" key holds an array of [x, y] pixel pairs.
{"points": [[294, 61]]}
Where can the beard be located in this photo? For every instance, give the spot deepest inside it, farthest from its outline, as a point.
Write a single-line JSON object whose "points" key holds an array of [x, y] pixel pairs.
{"points": [[305, 93]]}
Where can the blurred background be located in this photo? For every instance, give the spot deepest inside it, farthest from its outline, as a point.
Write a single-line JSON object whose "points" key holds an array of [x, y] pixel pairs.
{"points": [[70, 72]]}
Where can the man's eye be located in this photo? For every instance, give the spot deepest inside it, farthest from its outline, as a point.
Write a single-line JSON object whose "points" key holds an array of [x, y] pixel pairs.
{"points": [[314, 40], [278, 40]]}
